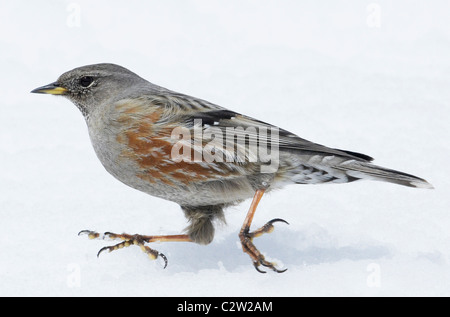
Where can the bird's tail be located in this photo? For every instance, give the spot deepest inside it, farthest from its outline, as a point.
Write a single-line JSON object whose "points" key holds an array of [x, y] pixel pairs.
{"points": [[365, 170]]}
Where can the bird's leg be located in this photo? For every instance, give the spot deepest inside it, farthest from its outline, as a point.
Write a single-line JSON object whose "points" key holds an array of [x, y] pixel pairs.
{"points": [[246, 236], [136, 239]]}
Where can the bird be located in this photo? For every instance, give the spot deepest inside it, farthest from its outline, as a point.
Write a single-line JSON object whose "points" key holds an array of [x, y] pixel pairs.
{"points": [[200, 155]]}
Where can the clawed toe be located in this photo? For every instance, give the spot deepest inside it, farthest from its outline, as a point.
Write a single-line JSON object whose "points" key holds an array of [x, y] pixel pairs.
{"points": [[269, 265], [267, 228], [136, 239], [89, 233], [248, 247], [128, 240], [246, 236]]}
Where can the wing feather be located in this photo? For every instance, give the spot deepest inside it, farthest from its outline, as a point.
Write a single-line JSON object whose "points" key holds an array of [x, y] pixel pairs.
{"points": [[191, 112]]}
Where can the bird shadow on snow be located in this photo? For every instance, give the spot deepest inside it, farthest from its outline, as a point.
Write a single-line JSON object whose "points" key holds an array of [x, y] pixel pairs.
{"points": [[311, 246]]}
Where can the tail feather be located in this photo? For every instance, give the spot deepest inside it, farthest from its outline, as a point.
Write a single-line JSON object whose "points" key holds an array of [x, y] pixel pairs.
{"points": [[363, 170]]}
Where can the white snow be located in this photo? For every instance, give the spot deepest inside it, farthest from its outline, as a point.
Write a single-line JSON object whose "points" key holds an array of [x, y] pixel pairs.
{"points": [[370, 78]]}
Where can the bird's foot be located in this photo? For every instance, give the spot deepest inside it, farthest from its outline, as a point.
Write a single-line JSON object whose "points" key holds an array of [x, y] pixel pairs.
{"points": [[128, 240], [248, 247]]}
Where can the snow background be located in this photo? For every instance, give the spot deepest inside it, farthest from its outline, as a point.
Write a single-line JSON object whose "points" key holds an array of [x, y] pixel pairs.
{"points": [[347, 74]]}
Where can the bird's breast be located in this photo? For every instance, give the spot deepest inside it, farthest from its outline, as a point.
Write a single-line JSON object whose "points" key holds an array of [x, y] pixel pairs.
{"points": [[137, 148]]}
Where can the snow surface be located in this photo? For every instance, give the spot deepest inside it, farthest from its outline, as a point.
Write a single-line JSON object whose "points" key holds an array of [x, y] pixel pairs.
{"points": [[371, 78]]}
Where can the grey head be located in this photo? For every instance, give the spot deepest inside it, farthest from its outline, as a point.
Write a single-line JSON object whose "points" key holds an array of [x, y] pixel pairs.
{"points": [[91, 85]]}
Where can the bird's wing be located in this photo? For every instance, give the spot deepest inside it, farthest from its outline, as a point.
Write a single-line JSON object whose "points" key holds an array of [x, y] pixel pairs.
{"points": [[233, 135], [234, 126]]}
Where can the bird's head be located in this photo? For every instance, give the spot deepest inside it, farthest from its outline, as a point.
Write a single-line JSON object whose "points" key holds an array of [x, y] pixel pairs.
{"points": [[89, 86]]}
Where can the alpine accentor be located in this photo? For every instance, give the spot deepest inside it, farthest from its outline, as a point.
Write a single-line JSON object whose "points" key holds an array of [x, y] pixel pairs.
{"points": [[199, 155]]}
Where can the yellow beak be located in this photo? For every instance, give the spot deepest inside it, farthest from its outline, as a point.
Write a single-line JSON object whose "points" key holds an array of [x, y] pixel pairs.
{"points": [[52, 89]]}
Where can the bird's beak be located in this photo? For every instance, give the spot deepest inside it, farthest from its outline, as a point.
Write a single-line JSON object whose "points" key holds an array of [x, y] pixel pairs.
{"points": [[52, 89]]}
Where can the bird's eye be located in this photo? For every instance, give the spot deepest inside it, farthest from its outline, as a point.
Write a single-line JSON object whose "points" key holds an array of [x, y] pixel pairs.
{"points": [[85, 81]]}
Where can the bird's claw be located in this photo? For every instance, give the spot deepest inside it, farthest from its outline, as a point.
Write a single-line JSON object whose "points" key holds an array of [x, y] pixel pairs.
{"points": [[265, 263], [128, 240], [248, 247]]}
